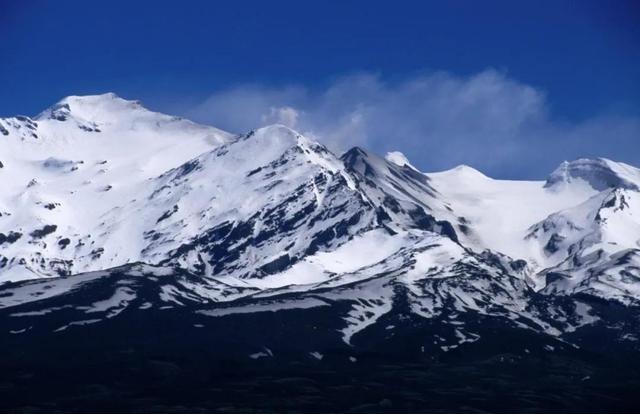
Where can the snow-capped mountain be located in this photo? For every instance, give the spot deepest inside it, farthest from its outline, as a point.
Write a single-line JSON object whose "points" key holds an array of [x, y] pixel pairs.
{"points": [[74, 164], [108, 208]]}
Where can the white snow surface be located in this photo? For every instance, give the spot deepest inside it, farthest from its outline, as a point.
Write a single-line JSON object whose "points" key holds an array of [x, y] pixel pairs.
{"points": [[79, 176], [398, 159], [501, 211]]}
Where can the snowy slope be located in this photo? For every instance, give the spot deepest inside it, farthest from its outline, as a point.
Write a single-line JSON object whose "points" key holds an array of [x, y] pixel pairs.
{"points": [[596, 246], [500, 212], [73, 164], [584, 210]]}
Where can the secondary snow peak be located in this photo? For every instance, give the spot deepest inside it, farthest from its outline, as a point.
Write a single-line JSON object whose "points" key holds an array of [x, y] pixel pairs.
{"points": [[599, 173], [399, 159]]}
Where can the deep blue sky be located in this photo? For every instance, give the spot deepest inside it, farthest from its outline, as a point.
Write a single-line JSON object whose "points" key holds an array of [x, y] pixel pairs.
{"points": [[583, 55]]}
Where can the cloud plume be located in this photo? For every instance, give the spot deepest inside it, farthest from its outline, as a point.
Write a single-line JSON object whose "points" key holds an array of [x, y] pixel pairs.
{"points": [[489, 120]]}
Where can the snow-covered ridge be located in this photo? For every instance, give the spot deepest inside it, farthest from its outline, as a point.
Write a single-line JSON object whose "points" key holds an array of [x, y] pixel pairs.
{"points": [[72, 117]]}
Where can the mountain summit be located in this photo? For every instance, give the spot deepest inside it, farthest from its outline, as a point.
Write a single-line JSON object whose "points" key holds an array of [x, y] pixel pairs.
{"points": [[93, 108]]}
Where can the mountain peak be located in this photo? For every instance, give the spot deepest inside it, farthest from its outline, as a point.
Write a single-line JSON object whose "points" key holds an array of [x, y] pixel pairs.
{"points": [[276, 135], [599, 173], [277, 129], [99, 99], [91, 108], [281, 136], [462, 172], [355, 158], [399, 159]]}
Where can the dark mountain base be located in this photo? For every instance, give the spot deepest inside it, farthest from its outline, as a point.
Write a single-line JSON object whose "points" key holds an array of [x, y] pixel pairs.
{"points": [[174, 384], [159, 362]]}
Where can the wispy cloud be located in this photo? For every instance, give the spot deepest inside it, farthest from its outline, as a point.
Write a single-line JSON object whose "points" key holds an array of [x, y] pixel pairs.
{"points": [[490, 121]]}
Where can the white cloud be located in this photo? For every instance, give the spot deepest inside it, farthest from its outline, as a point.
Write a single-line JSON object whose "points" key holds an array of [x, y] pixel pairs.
{"points": [[284, 115], [438, 120]]}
